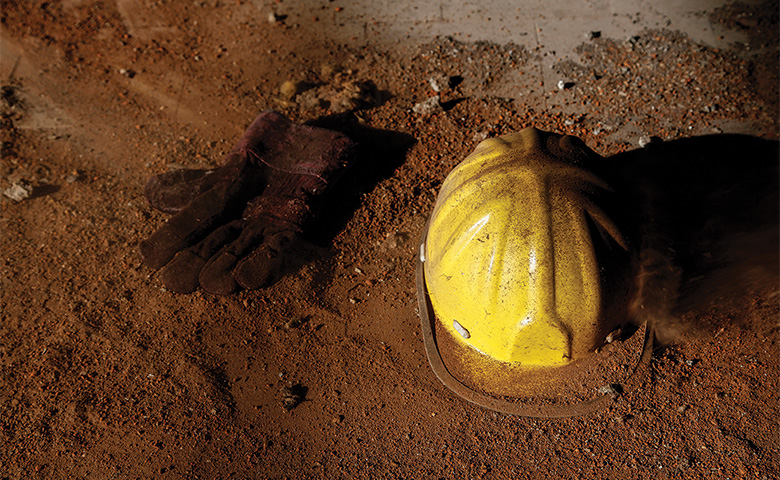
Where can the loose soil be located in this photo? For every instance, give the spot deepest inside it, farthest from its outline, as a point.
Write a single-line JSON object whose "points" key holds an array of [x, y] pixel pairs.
{"points": [[105, 374]]}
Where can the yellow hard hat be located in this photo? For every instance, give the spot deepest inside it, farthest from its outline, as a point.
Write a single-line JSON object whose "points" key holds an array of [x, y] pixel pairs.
{"points": [[518, 263]]}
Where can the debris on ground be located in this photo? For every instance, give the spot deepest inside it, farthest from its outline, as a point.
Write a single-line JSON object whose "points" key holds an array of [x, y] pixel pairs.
{"points": [[428, 107], [18, 192], [292, 396]]}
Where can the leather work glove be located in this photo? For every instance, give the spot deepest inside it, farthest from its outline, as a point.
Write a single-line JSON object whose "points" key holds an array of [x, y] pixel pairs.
{"points": [[234, 226]]}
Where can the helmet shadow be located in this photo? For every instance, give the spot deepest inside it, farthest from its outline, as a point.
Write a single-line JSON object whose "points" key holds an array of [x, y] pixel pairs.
{"points": [[704, 214]]}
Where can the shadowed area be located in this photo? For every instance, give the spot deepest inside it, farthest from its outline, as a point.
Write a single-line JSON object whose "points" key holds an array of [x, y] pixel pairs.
{"points": [[378, 153], [706, 209]]}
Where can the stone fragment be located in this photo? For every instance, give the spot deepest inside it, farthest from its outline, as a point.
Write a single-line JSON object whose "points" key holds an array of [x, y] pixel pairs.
{"points": [[292, 396], [432, 105], [18, 192], [439, 83]]}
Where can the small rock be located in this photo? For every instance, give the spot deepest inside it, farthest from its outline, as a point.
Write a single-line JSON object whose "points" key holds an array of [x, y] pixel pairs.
{"points": [[593, 34], [295, 322], [18, 192], [608, 390], [355, 95], [311, 99], [439, 83], [564, 85], [292, 396], [289, 89], [682, 408], [614, 335], [479, 136], [127, 73], [73, 177], [646, 141], [428, 107], [327, 71]]}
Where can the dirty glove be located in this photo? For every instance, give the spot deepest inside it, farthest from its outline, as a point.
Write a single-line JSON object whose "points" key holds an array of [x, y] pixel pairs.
{"points": [[235, 226]]}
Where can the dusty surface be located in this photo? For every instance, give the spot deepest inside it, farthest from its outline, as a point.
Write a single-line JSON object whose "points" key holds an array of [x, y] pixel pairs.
{"points": [[104, 374]]}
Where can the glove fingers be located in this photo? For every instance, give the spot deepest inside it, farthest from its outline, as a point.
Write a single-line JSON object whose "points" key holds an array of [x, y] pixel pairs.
{"points": [[181, 275], [192, 223], [265, 264], [217, 274]]}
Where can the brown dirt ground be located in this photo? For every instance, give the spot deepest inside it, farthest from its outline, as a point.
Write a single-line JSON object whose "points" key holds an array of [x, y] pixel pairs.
{"points": [[105, 374]]}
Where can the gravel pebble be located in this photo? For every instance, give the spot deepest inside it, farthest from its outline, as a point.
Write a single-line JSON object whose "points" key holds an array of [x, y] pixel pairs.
{"points": [[428, 107], [439, 83], [292, 396], [18, 192], [289, 89]]}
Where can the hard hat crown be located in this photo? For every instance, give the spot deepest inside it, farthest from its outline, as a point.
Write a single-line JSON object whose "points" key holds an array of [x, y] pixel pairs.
{"points": [[511, 259]]}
